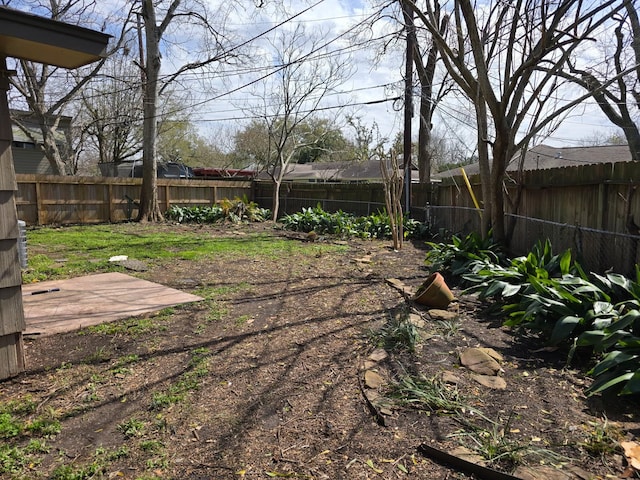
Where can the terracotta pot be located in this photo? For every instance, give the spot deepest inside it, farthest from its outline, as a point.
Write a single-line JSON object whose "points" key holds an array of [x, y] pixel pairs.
{"points": [[434, 292]]}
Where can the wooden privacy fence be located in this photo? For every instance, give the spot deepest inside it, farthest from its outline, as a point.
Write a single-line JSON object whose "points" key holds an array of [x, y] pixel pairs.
{"points": [[56, 200], [592, 209], [601, 196], [599, 202], [356, 198]]}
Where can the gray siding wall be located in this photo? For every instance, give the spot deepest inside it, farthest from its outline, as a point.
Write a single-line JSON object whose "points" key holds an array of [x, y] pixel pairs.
{"points": [[30, 161]]}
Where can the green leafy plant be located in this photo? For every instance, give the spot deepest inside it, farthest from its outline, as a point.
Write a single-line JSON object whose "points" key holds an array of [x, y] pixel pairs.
{"points": [[601, 438], [10, 426], [521, 275], [552, 295], [236, 211], [343, 224], [457, 255]]}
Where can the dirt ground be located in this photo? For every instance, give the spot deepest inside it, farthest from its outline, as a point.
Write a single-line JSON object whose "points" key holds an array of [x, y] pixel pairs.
{"points": [[281, 388]]}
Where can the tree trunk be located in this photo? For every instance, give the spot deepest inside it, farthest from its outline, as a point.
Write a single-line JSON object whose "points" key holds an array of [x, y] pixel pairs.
{"points": [[500, 154], [149, 207], [276, 198], [632, 135], [424, 135], [483, 162], [52, 152], [426, 74]]}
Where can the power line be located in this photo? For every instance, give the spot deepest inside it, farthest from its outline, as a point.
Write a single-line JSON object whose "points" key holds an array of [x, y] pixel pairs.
{"points": [[294, 62], [317, 109]]}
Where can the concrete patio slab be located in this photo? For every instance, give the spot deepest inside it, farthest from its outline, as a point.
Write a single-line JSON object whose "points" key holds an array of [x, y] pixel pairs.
{"points": [[64, 305]]}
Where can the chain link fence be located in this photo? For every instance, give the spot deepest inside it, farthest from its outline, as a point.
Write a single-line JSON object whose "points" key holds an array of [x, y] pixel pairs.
{"points": [[596, 250], [291, 205]]}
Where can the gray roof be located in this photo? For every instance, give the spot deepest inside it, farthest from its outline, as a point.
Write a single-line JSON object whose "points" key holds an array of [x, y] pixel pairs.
{"points": [[544, 157], [368, 171], [30, 123]]}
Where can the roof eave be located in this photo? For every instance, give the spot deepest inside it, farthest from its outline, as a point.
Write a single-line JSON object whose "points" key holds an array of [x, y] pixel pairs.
{"points": [[42, 40]]}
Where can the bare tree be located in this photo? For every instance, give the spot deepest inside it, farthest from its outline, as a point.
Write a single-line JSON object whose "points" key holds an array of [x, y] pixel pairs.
{"points": [[48, 91], [506, 57], [615, 83], [393, 182], [111, 112], [428, 101], [178, 14], [290, 97]]}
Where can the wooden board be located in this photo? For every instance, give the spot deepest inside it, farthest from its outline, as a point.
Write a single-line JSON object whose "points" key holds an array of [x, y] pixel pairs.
{"points": [[65, 305]]}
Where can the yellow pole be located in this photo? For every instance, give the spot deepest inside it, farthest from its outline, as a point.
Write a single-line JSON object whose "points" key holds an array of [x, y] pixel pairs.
{"points": [[473, 196]]}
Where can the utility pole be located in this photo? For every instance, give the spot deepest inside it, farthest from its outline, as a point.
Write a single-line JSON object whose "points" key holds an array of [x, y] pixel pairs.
{"points": [[407, 13]]}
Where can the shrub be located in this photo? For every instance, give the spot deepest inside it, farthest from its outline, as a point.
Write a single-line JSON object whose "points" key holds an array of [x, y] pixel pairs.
{"points": [[552, 295], [236, 211], [459, 254], [347, 225]]}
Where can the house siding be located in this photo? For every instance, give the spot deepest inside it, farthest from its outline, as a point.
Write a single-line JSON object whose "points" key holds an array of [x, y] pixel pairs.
{"points": [[31, 162]]}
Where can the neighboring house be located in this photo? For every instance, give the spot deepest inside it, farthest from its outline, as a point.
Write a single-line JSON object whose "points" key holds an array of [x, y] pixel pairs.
{"points": [[28, 156], [133, 169], [346, 172], [544, 157]]}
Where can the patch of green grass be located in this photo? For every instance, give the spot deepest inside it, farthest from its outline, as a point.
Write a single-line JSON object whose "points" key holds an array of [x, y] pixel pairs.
{"points": [[23, 406], [10, 426], [601, 439], [111, 455], [497, 445], [94, 469], [87, 249], [211, 292], [44, 426], [120, 366], [152, 446], [132, 428], [37, 445], [242, 319], [216, 309], [188, 381], [157, 462], [398, 334], [15, 460], [429, 394], [132, 326]]}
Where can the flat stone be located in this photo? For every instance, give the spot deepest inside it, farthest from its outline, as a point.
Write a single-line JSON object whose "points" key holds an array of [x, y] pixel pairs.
{"points": [[373, 396], [400, 285], [542, 472], [490, 381], [448, 377], [439, 314], [378, 355], [468, 455], [416, 320], [492, 353], [373, 379], [479, 362]]}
